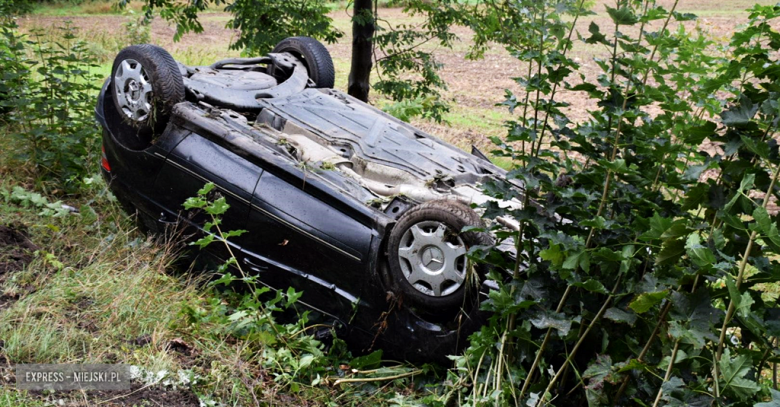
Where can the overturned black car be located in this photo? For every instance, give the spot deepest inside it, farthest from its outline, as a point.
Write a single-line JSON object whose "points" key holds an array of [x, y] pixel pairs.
{"points": [[360, 211]]}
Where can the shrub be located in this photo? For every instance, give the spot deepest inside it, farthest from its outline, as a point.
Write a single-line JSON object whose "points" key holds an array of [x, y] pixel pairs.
{"points": [[50, 97], [640, 276]]}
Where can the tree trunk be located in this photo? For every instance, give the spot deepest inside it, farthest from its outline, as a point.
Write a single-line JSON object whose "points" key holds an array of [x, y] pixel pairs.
{"points": [[362, 50]]}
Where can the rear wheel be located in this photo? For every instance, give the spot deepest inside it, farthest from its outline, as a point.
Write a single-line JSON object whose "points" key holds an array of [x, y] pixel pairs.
{"points": [[146, 84], [427, 258], [314, 55]]}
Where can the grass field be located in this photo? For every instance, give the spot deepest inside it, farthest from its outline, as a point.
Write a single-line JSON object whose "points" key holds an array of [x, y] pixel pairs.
{"points": [[91, 289]]}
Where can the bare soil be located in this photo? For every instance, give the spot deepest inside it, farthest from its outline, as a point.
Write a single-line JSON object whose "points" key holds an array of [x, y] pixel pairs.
{"points": [[16, 251]]}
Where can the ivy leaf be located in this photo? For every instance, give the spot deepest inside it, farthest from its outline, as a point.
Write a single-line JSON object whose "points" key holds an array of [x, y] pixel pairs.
{"points": [[684, 16], [645, 301], [596, 223], [763, 223], [292, 296], [658, 225]]}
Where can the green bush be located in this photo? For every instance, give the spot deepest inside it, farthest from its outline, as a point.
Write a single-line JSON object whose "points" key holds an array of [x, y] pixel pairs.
{"points": [[643, 271], [49, 98]]}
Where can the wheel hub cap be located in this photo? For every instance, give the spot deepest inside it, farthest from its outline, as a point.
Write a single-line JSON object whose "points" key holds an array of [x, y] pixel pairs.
{"points": [[133, 90], [433, 258]]}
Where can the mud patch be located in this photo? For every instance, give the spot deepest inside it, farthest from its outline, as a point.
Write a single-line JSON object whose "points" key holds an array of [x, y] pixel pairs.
{"points": [[15, 249], [16, 252]]}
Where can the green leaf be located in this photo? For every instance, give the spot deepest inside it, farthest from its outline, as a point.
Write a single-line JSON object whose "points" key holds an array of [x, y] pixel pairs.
{"points": [[551, 319], [226, 279], [596, 37], [746, 184], [775, 402], [204, 241], [292, 296], [553, 254], [618, 315], [763, 223], [599, 371], [693, 318], [697, 134], [742, 301], [757, 147], [592, 286], [596, 223], [622, 15], [206, 189], [740, 115], [671, 251], [734, 372], [194, 202], [218, 207], [370, 361], [581, 259], [699, 255], [646, 301]]}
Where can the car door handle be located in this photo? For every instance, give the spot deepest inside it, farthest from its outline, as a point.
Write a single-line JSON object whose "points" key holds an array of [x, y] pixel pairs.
{"points": [[258, 268]]}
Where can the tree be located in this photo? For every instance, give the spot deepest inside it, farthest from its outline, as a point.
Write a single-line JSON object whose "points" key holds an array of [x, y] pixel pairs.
{"points": [[408, 71], [363, 27]]}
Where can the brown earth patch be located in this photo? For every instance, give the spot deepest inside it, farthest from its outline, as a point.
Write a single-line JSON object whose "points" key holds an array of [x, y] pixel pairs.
{"points": [[16, 251]]}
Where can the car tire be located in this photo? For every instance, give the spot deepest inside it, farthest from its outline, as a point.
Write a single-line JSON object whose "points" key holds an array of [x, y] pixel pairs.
{"points": [[146, 84], [314, 55], [427, 258]]}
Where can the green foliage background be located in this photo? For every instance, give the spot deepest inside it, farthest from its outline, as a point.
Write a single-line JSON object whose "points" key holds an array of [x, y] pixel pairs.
{"points": [[643, 259], [642, 256]]}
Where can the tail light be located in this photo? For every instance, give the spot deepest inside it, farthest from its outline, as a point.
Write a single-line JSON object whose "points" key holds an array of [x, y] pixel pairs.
{"points": [[104, 160]]}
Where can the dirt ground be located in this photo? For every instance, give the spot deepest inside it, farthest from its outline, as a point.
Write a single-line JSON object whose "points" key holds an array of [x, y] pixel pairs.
{"points": [[16, 251], [475, 87]]}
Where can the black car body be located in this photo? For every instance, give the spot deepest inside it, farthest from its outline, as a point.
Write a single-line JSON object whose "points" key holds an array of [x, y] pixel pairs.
{"points": [[317, 178]]}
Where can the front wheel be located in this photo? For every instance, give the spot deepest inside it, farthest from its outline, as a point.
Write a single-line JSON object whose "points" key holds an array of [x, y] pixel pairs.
{"points": [[427, 258], [146, 84]]}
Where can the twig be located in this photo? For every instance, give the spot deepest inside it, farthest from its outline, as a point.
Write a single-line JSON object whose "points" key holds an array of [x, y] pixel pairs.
{"points": [[377, 379]]}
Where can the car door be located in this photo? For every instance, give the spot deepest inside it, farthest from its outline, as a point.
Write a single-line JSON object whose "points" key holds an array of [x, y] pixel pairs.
{"points": [[309, 244], [195, 161]]}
